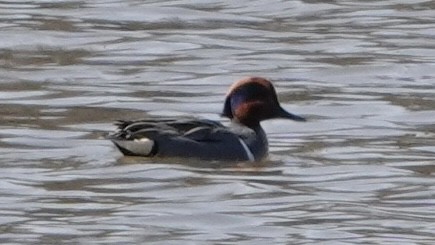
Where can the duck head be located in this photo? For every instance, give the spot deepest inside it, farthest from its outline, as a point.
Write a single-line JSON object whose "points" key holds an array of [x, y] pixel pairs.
{"points": [[252, 100]]}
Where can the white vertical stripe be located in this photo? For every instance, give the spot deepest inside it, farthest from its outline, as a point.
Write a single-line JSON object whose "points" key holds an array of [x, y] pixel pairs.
{"points": [[247, 151]]}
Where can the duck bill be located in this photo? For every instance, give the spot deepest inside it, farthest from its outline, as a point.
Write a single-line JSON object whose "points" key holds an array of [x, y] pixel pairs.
{"points": [[287, 115]]}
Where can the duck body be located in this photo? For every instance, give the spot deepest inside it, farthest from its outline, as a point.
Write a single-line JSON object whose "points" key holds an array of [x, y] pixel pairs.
{"points": [[190, 137], [248, 102]]}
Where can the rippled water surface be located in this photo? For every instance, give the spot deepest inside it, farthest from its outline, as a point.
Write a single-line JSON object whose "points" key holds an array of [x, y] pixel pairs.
{"points": [[360, 171]]}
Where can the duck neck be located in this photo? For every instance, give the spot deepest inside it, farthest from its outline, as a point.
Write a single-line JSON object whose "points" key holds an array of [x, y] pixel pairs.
{"points": [[257, 144], [254, 125]]}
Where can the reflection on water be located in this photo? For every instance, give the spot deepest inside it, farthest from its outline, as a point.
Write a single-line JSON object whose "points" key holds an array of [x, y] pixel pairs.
{"points": [[359, 171]]}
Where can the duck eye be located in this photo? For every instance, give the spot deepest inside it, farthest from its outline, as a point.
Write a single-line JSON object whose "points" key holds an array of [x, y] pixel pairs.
{"points": [[236, 100], [243, 95]]}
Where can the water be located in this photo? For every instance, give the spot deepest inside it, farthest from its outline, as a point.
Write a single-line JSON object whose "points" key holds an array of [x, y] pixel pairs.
{"points": [[360, 171]]}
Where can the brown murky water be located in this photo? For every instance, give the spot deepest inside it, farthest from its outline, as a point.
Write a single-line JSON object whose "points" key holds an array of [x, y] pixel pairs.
{"points": [[361, 171]]}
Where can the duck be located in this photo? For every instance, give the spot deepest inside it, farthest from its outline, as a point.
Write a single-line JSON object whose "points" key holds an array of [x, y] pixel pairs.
{"points": [[249, 101]]}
